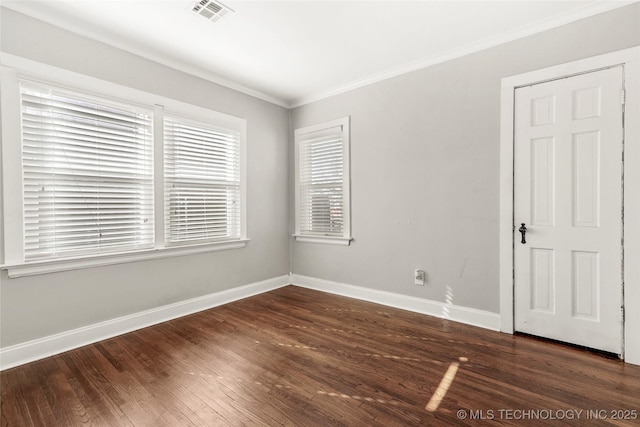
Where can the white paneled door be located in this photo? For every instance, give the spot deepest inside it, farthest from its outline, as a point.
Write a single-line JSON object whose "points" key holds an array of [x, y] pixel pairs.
{"points": [[568, 202]]}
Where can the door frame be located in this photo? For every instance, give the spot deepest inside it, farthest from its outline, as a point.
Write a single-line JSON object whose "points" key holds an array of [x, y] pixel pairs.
{"points": [[630, 58]]}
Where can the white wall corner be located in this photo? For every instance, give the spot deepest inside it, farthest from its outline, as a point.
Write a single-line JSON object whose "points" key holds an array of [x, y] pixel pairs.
{"points": [[40, 348], [470, 316]]}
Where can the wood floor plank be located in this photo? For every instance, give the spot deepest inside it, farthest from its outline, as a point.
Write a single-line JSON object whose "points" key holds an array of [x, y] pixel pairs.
{"points": [[297, 357]]}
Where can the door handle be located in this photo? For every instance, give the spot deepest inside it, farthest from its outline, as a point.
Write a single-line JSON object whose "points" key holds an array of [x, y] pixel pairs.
{"points": [[523, 231]]}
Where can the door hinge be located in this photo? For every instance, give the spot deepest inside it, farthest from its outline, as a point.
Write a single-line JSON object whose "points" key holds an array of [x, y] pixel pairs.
{"points": [[622, 314], [623, 96]]}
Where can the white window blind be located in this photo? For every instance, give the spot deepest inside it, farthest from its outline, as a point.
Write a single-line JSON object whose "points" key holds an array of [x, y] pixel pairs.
{"points": [[87, 174], [322, 181], [202, 182]]}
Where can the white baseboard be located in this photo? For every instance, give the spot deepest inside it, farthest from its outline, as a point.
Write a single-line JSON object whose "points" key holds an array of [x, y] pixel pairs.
{"points": [[470, 316], [40, 348]]}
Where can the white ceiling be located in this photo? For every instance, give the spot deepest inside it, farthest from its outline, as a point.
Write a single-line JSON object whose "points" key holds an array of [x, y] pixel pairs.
{"points": [[292, 52]]}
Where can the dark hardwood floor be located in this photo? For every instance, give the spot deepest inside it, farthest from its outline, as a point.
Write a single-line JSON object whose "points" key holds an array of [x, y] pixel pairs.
{"points": [[296, 357]]}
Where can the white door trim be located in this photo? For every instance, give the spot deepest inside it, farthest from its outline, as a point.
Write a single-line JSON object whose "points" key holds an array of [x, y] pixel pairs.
{"points": [[631, 60]]}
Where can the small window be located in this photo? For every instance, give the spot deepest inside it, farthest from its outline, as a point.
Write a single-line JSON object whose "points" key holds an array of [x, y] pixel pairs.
{"points": [[87, 174], [322, 183], [202, 182]]}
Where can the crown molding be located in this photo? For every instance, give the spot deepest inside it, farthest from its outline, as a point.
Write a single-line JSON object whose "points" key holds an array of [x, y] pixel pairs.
{"points": [[555, 21], [588, 10], [93, 33]]}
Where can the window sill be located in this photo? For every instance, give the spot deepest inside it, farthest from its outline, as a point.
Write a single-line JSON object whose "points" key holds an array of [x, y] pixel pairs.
{"points": [[341, 241], [52, 266]]}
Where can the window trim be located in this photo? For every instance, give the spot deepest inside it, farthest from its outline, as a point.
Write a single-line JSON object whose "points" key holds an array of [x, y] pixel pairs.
{"points": [[346, 238], [65, 264], [12, 70]]}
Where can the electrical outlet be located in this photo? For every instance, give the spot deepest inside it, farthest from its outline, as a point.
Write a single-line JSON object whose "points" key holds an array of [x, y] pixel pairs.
{"points": [[419, 277]]}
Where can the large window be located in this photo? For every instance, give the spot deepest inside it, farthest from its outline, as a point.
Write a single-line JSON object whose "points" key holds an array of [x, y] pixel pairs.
{"points": [[87, 174], [322, 183], [98, 174]]}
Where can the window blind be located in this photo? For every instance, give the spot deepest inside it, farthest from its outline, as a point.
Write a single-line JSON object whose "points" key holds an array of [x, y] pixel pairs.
{"points": [[87, 174], [321, 183], [202, 182]]}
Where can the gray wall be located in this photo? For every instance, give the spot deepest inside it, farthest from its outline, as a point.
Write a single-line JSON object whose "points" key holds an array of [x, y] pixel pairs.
{"points": [[425, 166], [38, 306]]}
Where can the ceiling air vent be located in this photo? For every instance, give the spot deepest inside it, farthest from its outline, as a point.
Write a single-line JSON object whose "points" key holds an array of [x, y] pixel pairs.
{"points": [[210, 9]]}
